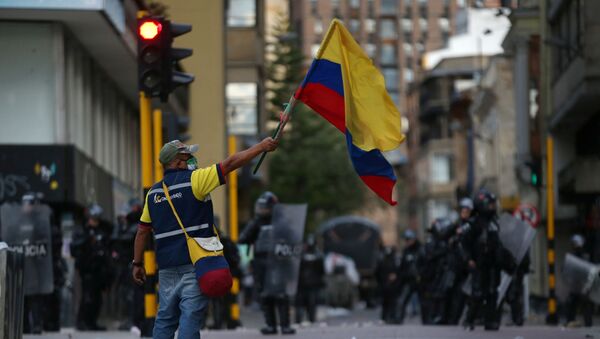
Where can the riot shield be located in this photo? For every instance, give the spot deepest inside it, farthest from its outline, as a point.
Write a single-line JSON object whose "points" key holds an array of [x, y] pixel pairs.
{"points": [[26, 229], [516, 236], [580, 275], [283, 268], [505, 280]]}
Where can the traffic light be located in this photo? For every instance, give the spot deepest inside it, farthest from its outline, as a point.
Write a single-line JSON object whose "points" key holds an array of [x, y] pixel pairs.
{"points": [[535, 173], [151, 55], [157, 58]]}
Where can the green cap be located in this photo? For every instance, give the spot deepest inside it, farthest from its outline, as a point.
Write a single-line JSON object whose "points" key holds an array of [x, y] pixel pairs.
{"points": [[170, 150]]}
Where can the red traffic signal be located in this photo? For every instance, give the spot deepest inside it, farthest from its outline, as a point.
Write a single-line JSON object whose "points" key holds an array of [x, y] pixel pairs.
{"points": [[150, 29]]}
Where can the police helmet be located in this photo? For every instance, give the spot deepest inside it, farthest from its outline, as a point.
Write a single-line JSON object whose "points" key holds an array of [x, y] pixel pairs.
{"points": [[466, 203], [409, 234], [264, 204], [439, 225], [484, 202], [28, 198], [577, 241], [95, 211]]}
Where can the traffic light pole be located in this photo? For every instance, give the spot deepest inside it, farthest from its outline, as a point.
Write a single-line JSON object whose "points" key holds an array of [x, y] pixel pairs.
{"points": [[233, 229], [150, 303], [158, 143], [551, 256]]}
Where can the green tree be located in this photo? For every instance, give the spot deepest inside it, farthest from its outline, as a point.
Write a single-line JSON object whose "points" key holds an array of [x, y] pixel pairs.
{"points": [[312, 164]]}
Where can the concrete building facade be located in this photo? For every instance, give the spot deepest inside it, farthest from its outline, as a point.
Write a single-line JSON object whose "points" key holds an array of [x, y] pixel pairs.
{"points": [[70, 104]]}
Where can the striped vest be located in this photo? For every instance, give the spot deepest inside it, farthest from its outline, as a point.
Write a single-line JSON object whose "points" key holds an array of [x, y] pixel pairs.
{"points": [[197, 217]]}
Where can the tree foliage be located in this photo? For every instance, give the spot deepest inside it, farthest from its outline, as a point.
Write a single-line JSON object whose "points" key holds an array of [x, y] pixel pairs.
{"points": [[311, 165]]}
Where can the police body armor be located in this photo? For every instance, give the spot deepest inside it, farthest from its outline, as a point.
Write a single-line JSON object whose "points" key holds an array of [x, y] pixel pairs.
{"points": [[264, 242]]}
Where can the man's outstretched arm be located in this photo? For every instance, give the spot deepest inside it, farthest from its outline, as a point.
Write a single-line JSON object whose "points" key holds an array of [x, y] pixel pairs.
{"points": [[241, 158]]}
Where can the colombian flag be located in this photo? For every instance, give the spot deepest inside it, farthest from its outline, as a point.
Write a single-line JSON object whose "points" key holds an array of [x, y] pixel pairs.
{"points": [[344, 87]]}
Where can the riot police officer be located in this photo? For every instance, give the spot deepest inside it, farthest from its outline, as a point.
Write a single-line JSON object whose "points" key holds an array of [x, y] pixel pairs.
{"points": [[312, 271], [457, 264], [90, 247], [575, 300], [437, 275], [409, 272], [483, 248], [258, 232], [387, 277]]}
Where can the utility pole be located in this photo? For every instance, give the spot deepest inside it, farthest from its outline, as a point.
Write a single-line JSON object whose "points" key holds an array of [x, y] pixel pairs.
{"points": [[551, 256], [233, 228]]}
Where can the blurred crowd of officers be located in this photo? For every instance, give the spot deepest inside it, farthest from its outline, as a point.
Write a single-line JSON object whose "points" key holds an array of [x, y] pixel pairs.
{"points": [[453, 276], [457, 270]]}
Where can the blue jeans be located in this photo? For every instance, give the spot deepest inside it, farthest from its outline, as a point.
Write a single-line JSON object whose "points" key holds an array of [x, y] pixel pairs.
{"points": [[181, 304]]}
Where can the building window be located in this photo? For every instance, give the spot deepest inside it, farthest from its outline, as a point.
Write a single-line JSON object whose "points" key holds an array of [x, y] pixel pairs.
{"points": [[354, 25], [388, 29], [370, 25], [354, 3], [407, 25], [420, 47], [388, 54], [318, 26], [437, 209], [408, 9], [314, 7], [444, 24], [371, 50], [441, 168], [241, 13], [423, 25], [408, 37], [391, 78], [409, 75], [408, 48], [388, 7], [335, 4], [423, 11], [567, 30], [371, 8], [241, 108]]}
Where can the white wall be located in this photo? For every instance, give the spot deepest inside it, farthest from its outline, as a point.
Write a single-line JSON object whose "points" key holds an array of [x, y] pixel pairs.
{"points": [[27, 83], [41, 64], [101, 123]]}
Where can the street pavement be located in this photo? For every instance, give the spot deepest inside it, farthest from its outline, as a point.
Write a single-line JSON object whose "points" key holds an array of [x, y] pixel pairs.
{"points": [[359, 324], [359, 331]]}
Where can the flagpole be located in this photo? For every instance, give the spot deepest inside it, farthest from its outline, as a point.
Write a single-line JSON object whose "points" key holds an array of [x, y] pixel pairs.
{"points": [[277, 134]]}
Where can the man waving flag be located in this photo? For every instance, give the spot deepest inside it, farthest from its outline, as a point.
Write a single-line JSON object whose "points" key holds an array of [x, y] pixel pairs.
{"points": [[344, 87]]}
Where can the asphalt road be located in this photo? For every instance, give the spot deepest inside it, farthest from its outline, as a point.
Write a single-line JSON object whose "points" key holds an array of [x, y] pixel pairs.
{"points": [[360, 324], [371, 332]]}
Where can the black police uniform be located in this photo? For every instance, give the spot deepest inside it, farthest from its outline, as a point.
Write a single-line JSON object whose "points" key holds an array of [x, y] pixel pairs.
{"points": [[409, 277], [576, 300], [483, 247], [257, 233], [90, 247], [312, 271], [387, 277]]}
